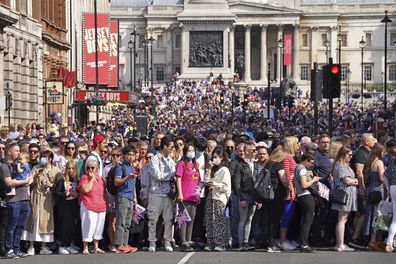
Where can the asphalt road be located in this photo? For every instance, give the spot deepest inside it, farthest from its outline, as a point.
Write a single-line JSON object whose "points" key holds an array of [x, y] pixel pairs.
{"points": [[323, 257]]}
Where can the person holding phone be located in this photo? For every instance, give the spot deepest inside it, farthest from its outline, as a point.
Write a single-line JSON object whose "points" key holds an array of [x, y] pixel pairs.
{"points": [[218, 180], [304, 180]]}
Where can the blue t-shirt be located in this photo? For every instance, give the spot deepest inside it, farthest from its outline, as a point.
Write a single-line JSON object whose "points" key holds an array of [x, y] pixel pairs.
{"points": [[24, 174], [127, 189]]}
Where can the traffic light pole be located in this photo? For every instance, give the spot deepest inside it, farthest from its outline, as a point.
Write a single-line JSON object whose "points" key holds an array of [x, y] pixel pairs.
{"points": [[331, 106], [269, 91], [316, 116]]}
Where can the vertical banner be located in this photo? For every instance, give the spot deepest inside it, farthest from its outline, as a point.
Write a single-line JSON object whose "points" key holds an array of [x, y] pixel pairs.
{"points": [[113, 53], [288, 47], [89, 48]]}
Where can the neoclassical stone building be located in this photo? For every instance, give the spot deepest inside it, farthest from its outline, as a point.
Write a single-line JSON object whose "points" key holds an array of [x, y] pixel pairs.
{"points": [[246, 33]]}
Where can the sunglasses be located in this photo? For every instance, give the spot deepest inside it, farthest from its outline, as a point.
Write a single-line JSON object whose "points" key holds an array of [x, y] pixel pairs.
{"points": [[71, 148], [91, 168], [33, 151], [3, 148], [116, 155]]}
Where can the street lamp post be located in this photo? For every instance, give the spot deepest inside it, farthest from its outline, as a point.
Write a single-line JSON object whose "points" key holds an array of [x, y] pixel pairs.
{"points": [[134, 34], [280, 46], [145, 46], [362, 45], [327, 44], [151, 43], [269, 91], [339, 39], [386, 20], [130, 46]]}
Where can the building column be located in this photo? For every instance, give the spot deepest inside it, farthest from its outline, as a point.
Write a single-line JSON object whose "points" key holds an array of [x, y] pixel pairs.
{"points": [[184, 50], [333, 43], [263, 59], [247, 74], [314, 44], [231, 51], [280, 53], [296, 53]]}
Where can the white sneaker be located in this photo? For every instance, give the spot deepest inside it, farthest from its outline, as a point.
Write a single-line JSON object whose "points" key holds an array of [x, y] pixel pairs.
{"points": [[45, 251], [75, 247], [294, 243], [168, 247], [152, 247], [30, 251], [288, 246], [62, 251], [72, 250]]}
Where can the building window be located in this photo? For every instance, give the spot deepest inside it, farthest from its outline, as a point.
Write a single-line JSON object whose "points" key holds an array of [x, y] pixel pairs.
{"points": [[160, 42], [177, 69], [324, 39], [344, 40], [344, 72], [160, 74], [304, 40], [392, 39], [368, 39], [178, 40], [367, 72], [392, 72], [304, 76]]}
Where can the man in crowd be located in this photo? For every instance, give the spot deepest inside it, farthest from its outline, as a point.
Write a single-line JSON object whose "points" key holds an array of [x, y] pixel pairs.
{"points": [[357, 163], [163, 170], [34, 154], [126, 198], [3, 205], [18, 206]]}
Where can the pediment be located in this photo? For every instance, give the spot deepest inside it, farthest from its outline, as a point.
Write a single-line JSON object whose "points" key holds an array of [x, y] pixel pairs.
{"points": [[242, 7]]}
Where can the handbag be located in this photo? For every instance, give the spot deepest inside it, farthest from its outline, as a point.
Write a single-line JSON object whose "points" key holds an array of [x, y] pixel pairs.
{"points": [[339, 196], [374, 197], [172, 194]]}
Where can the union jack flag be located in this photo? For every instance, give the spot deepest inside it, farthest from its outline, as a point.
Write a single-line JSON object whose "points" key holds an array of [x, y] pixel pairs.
{"points": [[182, 216], [324, 191], [138, 213]]}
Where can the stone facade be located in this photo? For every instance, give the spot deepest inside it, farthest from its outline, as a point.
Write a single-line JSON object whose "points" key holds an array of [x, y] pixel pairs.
{"points": [[252, 29], [20, 70]]}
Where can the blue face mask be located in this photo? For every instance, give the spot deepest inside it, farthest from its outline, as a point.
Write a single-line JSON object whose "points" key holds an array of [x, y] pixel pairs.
{"points": [[190, 155], [43, 161]]}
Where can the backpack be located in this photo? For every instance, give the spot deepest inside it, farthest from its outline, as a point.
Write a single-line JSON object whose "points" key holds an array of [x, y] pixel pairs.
{"points": [[110, 184], [263, 188]]}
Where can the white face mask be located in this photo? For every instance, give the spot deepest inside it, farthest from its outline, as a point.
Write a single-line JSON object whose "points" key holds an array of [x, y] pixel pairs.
{"points": [[43, 161], [190, 155], [216, 161]]}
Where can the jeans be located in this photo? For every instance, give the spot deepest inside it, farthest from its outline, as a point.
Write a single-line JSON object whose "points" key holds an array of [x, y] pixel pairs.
{"points": [[3, 228], [245, 220], [234, 218], [18, 214], [307, 204], [124, 213]]}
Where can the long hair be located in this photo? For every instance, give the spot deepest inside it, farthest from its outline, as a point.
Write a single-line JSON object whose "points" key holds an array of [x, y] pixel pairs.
{"points": [[290, 145], [375, 153], [69, 175], [277, 155], [219, 150], [341, 155]]}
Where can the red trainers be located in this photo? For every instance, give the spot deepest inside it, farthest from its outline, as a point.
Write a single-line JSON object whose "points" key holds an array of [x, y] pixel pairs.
{"points": [[131, 249], [123, 249]]}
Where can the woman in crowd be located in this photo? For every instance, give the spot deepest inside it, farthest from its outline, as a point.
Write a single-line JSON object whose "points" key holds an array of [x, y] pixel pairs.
{"points": [[40, 226], [374, 174], [390, 180], [66, 195], [290, 147], [273, 210], [304, 180], [187, 179], [209, 149], [179, 148], [70, 151], [92, 188], [218, 179], [345, 179]]}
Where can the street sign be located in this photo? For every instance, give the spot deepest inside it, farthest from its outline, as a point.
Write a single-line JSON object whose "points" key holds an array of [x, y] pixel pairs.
{"points": [[54, 92], [109, 96]]}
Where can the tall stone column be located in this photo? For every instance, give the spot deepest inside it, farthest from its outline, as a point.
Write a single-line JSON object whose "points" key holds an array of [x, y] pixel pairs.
{"points": [[231, 50], [333, 43], [280, 53], [296, 53], [314, 44], [184, 50], [247, 75], [263, 55]]}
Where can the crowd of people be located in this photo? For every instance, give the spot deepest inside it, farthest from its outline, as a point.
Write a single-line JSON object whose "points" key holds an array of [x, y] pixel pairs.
{"points": [[192, 182]]}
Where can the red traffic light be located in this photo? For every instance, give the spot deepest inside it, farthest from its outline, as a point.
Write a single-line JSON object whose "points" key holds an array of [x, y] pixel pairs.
{"points": [[334, 69]]}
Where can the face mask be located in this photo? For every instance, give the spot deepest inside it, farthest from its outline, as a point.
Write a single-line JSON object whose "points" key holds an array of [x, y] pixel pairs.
{"points": [[216, 162], [190, 155], [229, 151], [43, 161]]}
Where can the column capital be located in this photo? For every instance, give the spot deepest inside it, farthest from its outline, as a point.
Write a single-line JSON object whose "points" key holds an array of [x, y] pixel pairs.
{"points": [[297, 26], [247, 26], [264, 27], [232, 27], [314, 28], [280, 27], [334, 28]]}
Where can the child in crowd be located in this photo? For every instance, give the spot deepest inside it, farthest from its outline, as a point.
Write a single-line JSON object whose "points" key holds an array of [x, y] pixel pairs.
{"points": [[23, 171]]}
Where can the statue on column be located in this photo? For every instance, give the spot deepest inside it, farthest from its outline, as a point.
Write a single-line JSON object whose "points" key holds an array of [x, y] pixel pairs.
{"points": [[240, 65]]}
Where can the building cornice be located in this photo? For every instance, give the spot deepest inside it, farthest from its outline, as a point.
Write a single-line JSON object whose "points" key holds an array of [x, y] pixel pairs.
{"points": [[60, 43], [7, 17]]}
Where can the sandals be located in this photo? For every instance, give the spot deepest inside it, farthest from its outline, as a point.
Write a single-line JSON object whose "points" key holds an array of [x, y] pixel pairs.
{"points": [[99, 251]]}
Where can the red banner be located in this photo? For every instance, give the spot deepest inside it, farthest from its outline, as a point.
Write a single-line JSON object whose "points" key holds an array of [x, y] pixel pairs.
{"points": [[89, 48], [113, 53], [122, 97], [287, 51]]}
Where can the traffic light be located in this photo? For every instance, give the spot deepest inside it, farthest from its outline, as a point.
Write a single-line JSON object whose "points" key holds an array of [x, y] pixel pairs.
{"points": [[8, 101], [237, 101], [331, 81], [245, 101], [290, 102], [221, 98]]}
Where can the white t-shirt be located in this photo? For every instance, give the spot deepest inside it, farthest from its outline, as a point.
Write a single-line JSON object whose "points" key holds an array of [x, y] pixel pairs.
{"points": [[302, 173]]}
